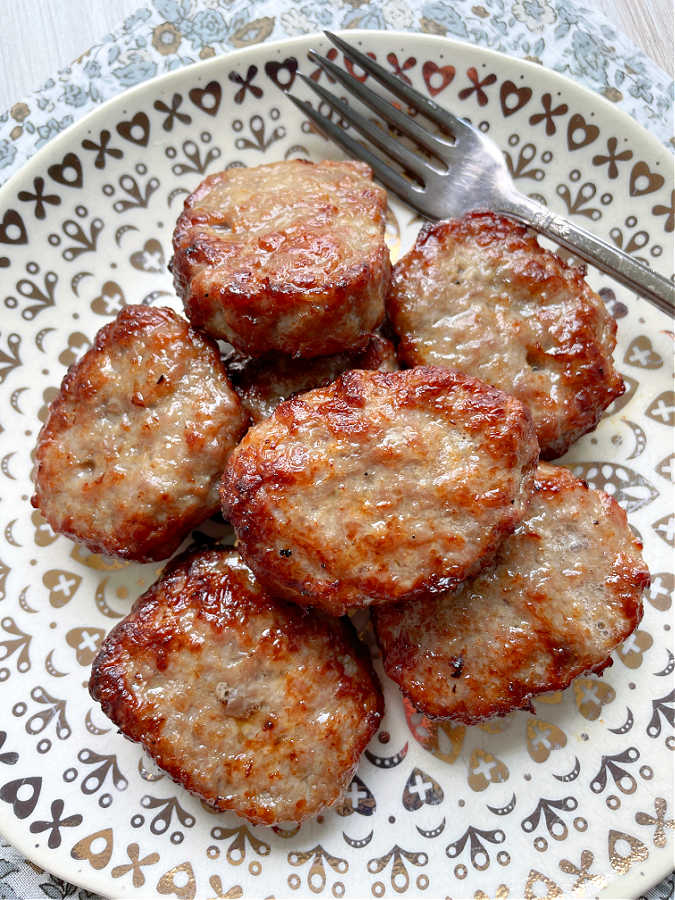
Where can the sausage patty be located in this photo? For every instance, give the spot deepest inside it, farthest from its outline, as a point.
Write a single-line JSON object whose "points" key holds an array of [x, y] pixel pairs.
{"points": [[254, 704], [129, 459], [286, 257], [565, 590], [264, 382], [381, 486], [480, 295]]}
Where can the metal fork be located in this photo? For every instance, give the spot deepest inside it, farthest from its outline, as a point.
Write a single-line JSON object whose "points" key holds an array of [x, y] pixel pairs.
{"points": [[472, 172]]}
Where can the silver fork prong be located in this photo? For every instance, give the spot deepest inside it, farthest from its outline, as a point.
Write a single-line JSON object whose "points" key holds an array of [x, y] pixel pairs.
{"points": [[374, 133], [410, 193], [384, 109], [403, 91]]}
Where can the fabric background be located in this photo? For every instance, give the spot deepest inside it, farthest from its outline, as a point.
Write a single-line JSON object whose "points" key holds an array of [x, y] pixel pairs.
{"points": [[560, 34]]}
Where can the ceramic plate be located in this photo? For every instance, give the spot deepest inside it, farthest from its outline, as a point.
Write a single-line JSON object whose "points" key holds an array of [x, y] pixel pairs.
{"points": [[571, 800]]}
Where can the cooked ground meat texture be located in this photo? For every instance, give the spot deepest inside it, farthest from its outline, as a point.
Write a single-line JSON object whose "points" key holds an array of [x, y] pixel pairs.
{"points": [[380, 486], [286, 257], [263, 382], [130, 457], [252, 703], [479, 294], [565, 590]]}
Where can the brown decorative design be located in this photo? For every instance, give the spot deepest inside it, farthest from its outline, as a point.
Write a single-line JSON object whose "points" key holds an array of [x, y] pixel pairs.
{"points": [[24, 806], [357, 799], [661, 590], [401, 68], [172, 112], [85, 641], [246, 83], [102, 149], [590, 695], [12, 229], [236, 850], [485, 769], [150, 258], [549, 113], [68, 172], [421, 789], [625, 485], [136, 130], [282, 73], [62, 586], [536, 881], [9, 358], [436, 77], [643, 180], [110, 301], [669, 211], [659, 822], [510, 92], [665, 528], [399, 877], [39, 198], [135, 866], [220, 893], [612, 157], [78, 344], [641, 353], [180, 881], [318, 859], [543, 738], [476, 840], [631, 651], [662, 409], [96, 848], [622, 862], [478, 86], [580, 133]]}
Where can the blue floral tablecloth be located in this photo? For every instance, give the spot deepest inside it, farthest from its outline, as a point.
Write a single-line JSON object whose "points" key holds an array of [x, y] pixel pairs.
{"points": [[167, 34]]}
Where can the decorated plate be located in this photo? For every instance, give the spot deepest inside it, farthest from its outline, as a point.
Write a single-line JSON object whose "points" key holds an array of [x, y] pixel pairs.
{"points": [[569, 801]]}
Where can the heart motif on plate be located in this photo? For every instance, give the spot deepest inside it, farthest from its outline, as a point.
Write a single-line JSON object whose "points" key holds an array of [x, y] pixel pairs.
{"points": [[436, 77], [207, 99], [136, 130], [510, 90]]}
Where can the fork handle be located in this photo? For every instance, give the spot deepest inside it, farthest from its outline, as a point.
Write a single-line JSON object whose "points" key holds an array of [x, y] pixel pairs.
{"points": [[622, 267]]}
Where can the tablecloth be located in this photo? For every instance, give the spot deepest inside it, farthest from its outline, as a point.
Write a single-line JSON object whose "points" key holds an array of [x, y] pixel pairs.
{"points": [[166, 34]]}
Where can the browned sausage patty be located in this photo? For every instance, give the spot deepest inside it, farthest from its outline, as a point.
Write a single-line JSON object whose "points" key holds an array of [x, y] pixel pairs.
{"points": [[136, 441], [380, 486], [254, 704], [287, 257], [565, 590], [480, 295], [264, 382]]}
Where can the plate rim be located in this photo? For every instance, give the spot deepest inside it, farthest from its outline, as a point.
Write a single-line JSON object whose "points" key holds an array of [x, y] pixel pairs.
{"points": [[660, 860]]}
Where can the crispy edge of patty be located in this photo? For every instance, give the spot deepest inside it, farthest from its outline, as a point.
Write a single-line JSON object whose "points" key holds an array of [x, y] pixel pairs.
{"points": [[255, 302], [629, 578], [544, 269], [128, 324], [137, 634], [243, 493]]}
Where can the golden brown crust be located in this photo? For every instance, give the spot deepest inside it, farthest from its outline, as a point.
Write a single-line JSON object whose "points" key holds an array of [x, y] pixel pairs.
{"points": [[286, 257], [255, 705], [565, 590], [130, 456], [264, 382], [481, 295], [380, 486]]}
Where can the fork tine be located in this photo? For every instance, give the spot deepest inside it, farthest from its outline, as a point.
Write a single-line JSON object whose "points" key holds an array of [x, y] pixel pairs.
{"points": [[407, 158], [383, 108], [403, 91], [412, 195]]}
